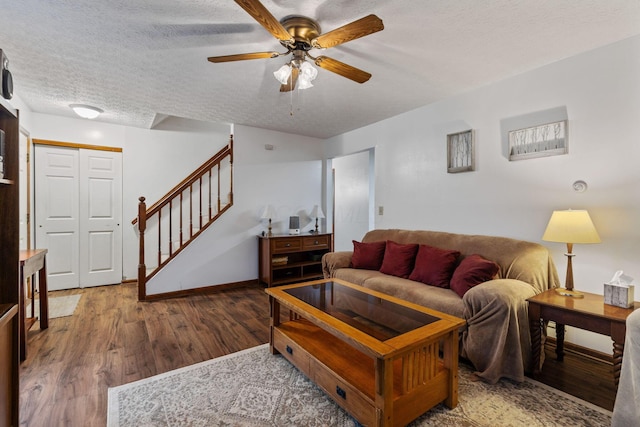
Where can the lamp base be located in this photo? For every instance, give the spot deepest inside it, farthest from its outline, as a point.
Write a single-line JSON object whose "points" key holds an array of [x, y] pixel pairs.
{"points": [[569, 293]]}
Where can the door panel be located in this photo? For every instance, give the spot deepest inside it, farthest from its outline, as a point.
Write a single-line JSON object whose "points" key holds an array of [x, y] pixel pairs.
{"points": [[353, 195], [78, 215], [100, 218], [56, 208]]}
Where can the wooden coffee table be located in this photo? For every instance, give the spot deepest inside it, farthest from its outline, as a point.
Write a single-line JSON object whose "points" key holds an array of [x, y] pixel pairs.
{"points": [[384, 360]]}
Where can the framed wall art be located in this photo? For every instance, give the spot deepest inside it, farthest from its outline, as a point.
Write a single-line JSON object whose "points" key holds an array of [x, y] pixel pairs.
{"points": [[538, 141], [461, 151]]}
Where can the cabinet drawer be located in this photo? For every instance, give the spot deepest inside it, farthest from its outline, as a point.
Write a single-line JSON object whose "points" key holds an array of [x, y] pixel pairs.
{"points": [[291, 351], [286, 245], [344, 394], [315, 242]]}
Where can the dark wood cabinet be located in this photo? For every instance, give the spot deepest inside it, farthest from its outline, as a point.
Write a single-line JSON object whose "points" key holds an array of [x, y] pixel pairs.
{"points": [[292, 258], [9, 250]]}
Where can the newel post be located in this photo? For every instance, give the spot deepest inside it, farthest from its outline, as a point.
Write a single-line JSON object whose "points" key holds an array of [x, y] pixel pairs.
{"points": [[142, 268]]}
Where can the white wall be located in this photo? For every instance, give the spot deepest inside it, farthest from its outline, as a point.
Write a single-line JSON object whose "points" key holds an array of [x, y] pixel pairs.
{"points": [[289, 177], [601, 93]]}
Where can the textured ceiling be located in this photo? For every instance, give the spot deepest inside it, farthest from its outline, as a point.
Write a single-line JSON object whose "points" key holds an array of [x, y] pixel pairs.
{"points": [[143, 60]]}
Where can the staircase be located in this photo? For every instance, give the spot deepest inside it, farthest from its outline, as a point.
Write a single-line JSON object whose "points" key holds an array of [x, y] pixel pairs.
{"points": [[178, 218]]}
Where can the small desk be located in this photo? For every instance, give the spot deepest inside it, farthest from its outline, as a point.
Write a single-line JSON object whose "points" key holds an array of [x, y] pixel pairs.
{"points": [[589, 313], [31, 262]]}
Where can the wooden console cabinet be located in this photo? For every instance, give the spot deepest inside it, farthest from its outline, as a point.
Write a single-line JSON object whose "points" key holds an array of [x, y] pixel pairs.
{"points": [[286, 259]]}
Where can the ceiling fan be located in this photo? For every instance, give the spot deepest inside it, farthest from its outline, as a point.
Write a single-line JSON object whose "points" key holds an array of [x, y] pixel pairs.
{"points": [[299, 34]]}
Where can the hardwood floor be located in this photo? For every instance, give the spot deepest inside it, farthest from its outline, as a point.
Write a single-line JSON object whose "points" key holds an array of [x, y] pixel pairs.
{"points": [[112, 339], [588, 378]]}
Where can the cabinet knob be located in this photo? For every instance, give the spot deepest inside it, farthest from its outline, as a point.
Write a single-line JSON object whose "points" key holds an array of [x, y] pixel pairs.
{"points": [[288, 244], [316, 243]]}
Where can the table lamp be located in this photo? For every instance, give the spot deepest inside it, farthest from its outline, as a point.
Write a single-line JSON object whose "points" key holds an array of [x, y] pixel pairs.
{"points": [[316, 213], [268, 213], [570, 226]]}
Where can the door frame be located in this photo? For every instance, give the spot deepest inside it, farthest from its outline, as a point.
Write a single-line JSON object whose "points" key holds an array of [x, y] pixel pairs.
{"points": [[27, 187]]}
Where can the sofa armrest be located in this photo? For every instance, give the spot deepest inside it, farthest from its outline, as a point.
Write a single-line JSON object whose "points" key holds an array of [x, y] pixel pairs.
{"points": [[497, 339], [334, 260]]}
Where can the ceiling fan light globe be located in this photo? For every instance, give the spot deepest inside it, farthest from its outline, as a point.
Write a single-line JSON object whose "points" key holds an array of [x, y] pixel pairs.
{"points": [[308, 72], [283, 74], [304, 82]]}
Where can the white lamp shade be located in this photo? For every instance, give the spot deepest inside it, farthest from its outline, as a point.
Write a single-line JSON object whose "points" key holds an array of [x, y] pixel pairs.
{"points": [[571, 226], [268, 213], [316, 212]]}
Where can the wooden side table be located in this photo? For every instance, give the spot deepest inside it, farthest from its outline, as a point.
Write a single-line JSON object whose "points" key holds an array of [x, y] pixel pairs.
{"points": [[31, 262], [589, 313]]}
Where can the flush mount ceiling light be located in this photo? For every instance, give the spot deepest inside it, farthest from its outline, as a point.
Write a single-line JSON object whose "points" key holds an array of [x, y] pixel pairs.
{"points": [[86, 111]]}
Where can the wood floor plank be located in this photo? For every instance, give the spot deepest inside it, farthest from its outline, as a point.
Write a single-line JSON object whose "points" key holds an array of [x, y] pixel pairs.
{"points": [[112, 339]]}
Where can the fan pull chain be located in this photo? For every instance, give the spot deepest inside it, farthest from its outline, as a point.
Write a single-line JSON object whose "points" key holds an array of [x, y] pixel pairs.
{"points": [[291, 103]]}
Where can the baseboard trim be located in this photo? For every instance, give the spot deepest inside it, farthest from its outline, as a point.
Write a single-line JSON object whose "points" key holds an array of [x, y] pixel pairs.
{"points": [[581, 351], [204, 290]]}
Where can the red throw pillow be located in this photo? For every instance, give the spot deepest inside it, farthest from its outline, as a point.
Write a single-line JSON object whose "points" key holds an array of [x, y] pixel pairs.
{"points": [[398, 259], [434, 266], [368, 256], [472, 271]]}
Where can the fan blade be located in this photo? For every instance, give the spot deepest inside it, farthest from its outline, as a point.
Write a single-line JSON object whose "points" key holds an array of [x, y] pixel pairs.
{"points": [[343, 69], [265, 18], [243, 56], [293, 79], [360, 28]]}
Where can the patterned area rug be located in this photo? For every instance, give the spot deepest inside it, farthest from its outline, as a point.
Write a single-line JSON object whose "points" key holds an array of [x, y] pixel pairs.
{"points": [[254, 388], [58, 306]]}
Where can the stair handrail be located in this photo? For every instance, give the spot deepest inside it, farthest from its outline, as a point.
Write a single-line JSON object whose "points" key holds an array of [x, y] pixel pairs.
{"points": [[192, 178]]}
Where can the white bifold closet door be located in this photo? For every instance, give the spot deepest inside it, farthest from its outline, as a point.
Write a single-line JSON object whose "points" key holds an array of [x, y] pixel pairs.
{"points": [[78, 210]]}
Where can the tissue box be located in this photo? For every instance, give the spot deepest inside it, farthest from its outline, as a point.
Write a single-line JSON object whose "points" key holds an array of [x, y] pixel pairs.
{"points": [[617, 295]]}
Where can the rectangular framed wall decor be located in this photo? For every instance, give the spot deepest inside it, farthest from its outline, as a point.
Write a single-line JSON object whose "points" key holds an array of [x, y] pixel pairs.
{"points": [[461, 151], [538, 141]]}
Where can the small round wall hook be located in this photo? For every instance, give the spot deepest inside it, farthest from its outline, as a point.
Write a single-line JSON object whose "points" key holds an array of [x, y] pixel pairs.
{"points": [[580, 186]]}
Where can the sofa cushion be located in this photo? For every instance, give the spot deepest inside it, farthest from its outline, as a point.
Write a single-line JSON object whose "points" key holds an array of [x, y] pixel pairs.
{"points": [[472, 271], [398, 259], [434, 266], [357, 276], [440, 299], [368, 256]]}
